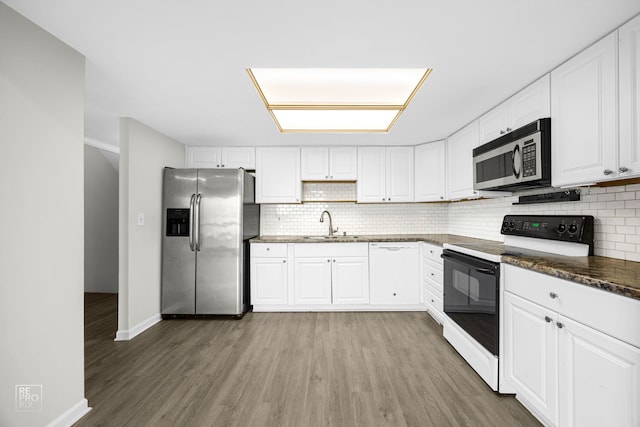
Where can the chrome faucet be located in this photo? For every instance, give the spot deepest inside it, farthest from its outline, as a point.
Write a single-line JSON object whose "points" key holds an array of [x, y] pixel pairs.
{"points": [[331, 230]]}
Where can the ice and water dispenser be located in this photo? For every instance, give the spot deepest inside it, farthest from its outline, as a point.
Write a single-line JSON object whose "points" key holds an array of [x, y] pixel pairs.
{"points": [[178, 222]]}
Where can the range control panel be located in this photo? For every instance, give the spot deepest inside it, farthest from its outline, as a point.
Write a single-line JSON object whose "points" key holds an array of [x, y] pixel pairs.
{"points": [[576, 229]]}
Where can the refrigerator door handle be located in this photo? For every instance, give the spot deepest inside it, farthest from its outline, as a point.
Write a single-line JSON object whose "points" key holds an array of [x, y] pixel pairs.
{"points": [[191, 213], [197, 221]]}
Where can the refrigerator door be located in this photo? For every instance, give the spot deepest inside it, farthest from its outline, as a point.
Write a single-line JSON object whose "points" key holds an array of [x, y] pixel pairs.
{"points": [[219, 287], [178, 259]]}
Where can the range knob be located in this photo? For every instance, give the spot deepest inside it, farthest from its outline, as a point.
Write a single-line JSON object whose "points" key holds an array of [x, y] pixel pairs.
{"points": [[573, 228], [505, 225], [561, 228], [512, 225]]}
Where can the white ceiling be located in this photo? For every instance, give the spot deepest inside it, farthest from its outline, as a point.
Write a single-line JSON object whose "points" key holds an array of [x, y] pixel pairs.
{"points": [[179, 66]]}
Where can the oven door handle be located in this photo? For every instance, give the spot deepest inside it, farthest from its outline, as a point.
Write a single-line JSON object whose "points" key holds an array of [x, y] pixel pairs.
{"points": [[486, 271]]}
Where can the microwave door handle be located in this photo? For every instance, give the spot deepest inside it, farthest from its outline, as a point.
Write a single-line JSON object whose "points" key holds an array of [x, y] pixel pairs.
{"points": [[516, 157]]}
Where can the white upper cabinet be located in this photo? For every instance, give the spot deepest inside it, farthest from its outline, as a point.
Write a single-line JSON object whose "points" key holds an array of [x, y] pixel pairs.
{"points": [[221, 157], [385, 175], [526, 106], [430, 172], [238, 157], [584, 119], [329, 163], [278, 175], [460, 147], [629, 34]]}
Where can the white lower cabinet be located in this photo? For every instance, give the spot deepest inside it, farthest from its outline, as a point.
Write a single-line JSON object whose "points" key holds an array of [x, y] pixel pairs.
{"points": [[571, 352], [432, 275], [350, 280], [530, 354], [331, 274], [312, 281], [269, 274]]}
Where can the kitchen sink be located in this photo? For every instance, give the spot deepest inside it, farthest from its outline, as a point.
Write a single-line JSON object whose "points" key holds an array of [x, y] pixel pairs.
{"points": [[329, 237]]}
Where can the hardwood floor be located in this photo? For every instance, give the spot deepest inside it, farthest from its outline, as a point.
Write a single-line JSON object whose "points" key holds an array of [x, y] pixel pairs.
{"points": [[285, 369]]}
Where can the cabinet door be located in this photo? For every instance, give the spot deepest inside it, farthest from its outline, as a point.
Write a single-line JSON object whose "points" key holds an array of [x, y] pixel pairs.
{"points": [[584, 118], [312, 281], [399, 174], [599, 378], [629, 164], [495, 123], [430, 172], [460, 147], [530, 354], [238, 157], [343, 163], [314, 164], [268, 281], [203, 157], [371, 175], [531, 103], [278, 175], [350, 280]]}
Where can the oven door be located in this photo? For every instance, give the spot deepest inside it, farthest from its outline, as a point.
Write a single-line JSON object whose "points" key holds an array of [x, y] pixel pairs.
{"points": [[471, 287]]}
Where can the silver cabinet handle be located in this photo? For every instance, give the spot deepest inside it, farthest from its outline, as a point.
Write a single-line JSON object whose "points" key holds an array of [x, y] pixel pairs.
{"points": [[623, 169], [607, 172], [509, 129], [197, 221], [326, 176], [553, 295], [559, 325], [502, 132], [328, 260], [217, 166], [384, 200], [284, 260], [191, 214], [547, 319]]}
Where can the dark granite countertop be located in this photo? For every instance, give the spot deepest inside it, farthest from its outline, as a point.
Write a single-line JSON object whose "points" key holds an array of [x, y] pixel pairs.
{"points": [[610, 274], [435, 239]]}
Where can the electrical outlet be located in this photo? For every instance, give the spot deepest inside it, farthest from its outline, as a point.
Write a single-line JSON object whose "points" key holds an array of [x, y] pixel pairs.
{"points": [[140, 219]]}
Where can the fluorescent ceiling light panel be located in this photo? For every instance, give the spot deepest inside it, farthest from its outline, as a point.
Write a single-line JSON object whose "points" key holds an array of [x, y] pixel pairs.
{"points": [[337, 100]]}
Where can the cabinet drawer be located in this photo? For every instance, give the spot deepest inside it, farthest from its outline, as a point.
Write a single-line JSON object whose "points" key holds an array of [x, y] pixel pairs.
{"points": [[269, 250], [433, 299], [432, 273], [607, 312], [432, 252]]}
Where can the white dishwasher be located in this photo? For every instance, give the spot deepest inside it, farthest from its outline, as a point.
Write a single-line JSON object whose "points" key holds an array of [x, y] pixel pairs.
{"points": [[394, 273]]}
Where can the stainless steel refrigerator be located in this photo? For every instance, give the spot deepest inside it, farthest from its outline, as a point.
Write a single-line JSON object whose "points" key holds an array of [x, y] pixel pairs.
{"points": [[208, 217]]}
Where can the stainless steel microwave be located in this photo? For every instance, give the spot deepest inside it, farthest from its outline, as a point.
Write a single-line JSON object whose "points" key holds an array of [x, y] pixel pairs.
{"points": [[519, 160]]}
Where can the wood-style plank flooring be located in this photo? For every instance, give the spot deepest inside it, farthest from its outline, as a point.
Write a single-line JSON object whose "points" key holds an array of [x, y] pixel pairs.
{"points": [[285, 369]]}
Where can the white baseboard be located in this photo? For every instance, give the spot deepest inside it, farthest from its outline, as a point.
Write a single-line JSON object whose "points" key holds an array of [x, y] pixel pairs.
{"points": [[265, 308], [128, 334], [71, 415]]}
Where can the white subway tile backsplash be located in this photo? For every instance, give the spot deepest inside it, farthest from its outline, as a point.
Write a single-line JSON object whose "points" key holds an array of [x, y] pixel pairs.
{"points": [[616, 211]]}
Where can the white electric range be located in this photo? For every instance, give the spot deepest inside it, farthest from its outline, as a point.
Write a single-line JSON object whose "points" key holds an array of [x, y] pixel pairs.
{"points": [[472, 287]]}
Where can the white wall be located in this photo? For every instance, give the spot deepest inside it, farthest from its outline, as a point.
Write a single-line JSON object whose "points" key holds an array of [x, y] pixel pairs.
{"points": [[41, 222], [143, 155], [100, 221]]}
